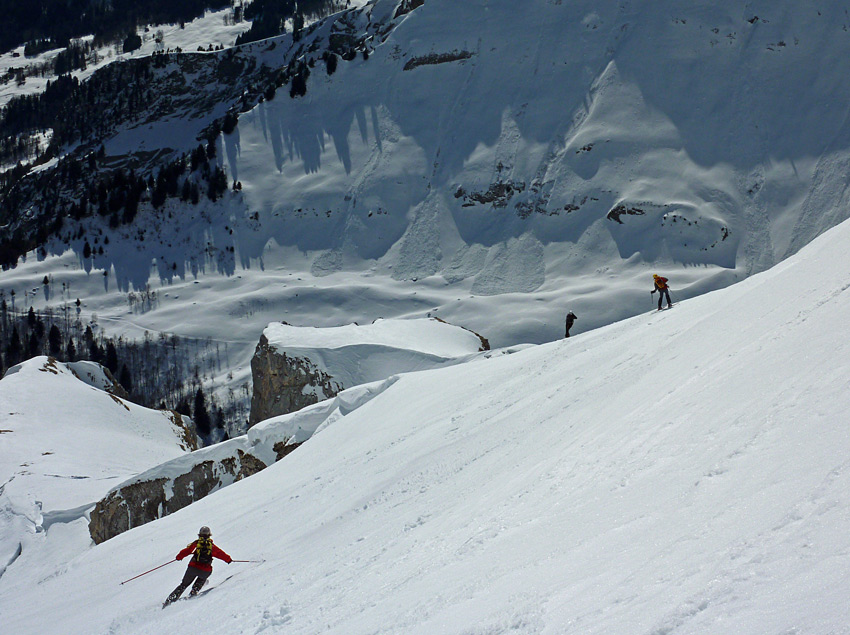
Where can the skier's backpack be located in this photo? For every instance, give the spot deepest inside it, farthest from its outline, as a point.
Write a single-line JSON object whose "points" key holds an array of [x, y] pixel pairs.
{"points": [[203, 550]]}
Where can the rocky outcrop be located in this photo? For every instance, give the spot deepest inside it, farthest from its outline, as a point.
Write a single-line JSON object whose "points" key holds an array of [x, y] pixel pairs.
{"points": [[295, 367], [485, 343], [284, 383], [181, 481], [498, 194], [406, 6], [187, 430], [436, 58], [126, 508], [147, 499], [621, 210]]}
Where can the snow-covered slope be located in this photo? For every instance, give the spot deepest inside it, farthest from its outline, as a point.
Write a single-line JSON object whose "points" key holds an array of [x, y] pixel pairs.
{"points": [[678, 472], [179, 482], [64, 444], [497, 179]]}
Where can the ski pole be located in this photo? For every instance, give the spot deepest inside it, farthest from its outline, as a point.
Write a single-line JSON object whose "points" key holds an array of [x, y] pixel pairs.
{"points": [[147, 572], [247, 561]]}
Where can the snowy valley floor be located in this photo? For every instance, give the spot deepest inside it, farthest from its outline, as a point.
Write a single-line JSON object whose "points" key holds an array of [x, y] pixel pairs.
{"points": [[678, 472]]}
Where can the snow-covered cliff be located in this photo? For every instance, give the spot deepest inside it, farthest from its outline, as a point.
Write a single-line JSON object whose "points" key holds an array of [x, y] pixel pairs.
{"points": [[297, 366]]}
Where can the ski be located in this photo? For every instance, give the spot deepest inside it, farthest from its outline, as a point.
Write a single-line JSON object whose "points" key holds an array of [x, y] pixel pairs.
{"points": [[207, 587]]}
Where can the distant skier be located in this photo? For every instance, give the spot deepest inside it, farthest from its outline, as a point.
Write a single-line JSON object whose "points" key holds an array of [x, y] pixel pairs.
{"points": [[571, 318], [200, 566], [663, 290]]}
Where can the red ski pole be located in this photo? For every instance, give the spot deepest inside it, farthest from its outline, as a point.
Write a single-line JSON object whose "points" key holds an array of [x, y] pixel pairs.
{"points": [[147, 572]]}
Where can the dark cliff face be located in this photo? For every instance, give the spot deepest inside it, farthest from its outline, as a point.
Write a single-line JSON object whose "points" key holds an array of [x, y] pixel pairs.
{"points": [[141, 502], [284, 384]]}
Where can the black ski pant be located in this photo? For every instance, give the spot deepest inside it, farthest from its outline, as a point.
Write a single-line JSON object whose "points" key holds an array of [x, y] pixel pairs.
{"points": [[661, 294], [192, 573]]}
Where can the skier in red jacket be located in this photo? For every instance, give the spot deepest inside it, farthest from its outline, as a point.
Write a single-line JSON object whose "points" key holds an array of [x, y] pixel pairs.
{"points": [[200, 566], [663, 290]]}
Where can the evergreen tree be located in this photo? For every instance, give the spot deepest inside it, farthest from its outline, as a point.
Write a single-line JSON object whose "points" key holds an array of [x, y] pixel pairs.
{"points": [[54, 341], [112, 358], [132, 42], [299, 86], [124, 378], [331, 61], [202, 417], [229, 124], [14, 350], [71, 350], [34, 345], [95, 352]]}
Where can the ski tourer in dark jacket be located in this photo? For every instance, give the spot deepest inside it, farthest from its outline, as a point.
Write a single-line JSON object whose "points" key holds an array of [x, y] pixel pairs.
{"points": [[660, 285], [571, 318], [200, 566]]}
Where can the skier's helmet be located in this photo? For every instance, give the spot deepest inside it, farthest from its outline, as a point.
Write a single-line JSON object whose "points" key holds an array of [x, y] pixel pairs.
{"points": [[654, 275], [204, 531]]}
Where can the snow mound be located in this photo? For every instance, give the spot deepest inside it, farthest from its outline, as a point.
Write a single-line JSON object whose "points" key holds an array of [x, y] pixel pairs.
{"points": [[64, 443], [352, 354], [93, 374], [427, 336]]}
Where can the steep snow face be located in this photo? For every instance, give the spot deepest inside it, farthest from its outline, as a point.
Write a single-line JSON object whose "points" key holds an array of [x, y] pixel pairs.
{"points": [[628, 133], [682, 471], [64, 444]]}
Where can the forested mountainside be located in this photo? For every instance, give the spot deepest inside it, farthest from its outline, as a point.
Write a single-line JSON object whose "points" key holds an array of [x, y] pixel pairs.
{"points": [[166, 373], [81, 116], [43, 24], [50, 24]]}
